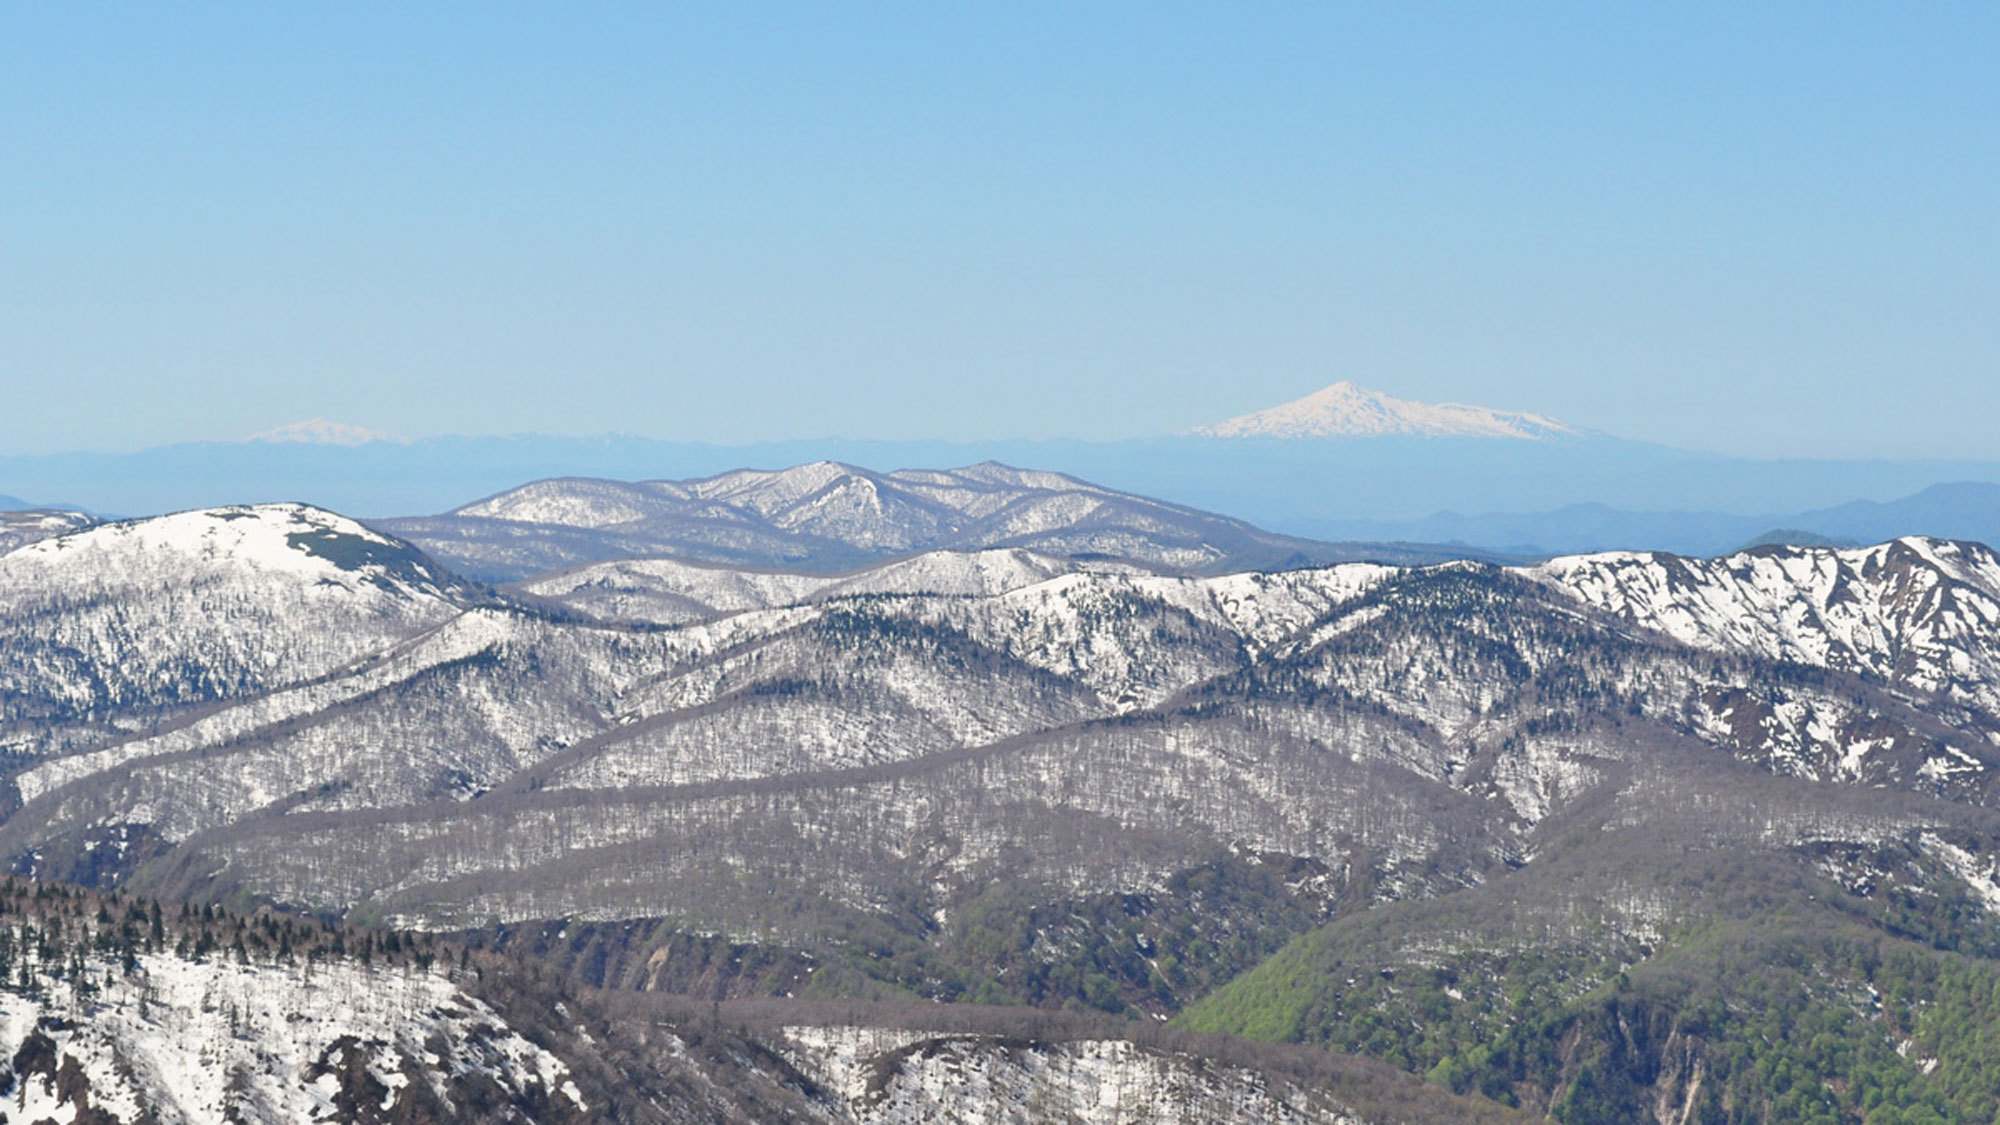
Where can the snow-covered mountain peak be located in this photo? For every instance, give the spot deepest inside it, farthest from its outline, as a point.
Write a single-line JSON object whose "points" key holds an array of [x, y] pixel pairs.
{"points": [[999, 473], [265, 596], [771, 488], [321, 431], [292, 539], [1346, 410], [564, 502]]}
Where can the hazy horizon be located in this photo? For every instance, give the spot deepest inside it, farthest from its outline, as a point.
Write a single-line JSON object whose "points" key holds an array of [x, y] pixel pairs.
{"points": [[1760, 232]]}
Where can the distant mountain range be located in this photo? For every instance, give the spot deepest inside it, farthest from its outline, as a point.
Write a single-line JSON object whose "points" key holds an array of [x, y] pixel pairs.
{"points": [[817, 517], [1342, 463], [827, 517], [992, 793], [1959, 510]]}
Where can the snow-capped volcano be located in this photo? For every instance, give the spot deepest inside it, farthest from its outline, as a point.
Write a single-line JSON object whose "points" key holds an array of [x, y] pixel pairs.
{"points": [[1345, 410]]}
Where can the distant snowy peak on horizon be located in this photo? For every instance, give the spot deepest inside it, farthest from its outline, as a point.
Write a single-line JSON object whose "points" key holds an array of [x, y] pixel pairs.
{"points": [[322, 431], [1345, 410]]}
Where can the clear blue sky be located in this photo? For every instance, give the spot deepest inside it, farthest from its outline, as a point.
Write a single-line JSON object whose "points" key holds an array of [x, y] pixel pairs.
{"points": [[1759, 228]]}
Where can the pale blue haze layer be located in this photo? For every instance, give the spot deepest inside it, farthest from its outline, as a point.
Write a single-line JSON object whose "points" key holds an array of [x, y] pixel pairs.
{"points": [[1757, 229]]}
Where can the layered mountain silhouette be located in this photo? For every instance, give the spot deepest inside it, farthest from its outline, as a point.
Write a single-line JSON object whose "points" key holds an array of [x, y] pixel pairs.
{"points": [[830, 517], [1590, 836]]}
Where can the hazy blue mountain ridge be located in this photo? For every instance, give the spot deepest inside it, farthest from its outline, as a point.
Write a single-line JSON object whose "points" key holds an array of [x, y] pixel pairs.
{"points": [[1308, 487]]}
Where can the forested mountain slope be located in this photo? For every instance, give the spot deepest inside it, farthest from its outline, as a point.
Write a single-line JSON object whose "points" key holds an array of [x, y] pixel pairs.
{"points": [[121, 1009], [1418, 813]]}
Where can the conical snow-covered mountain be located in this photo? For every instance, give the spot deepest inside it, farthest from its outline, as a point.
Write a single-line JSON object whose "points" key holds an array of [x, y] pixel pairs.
{"points": [[1345, 410]]}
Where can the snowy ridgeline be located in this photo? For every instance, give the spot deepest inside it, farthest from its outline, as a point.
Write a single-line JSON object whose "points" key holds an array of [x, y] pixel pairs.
{"points": [[893, 1077], [515, 765], [214, 1040], [829, 516]]}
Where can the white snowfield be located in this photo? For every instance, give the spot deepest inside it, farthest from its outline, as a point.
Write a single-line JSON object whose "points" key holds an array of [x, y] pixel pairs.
{"points": [[1345, 410], [193, 1043], [255, 536]]}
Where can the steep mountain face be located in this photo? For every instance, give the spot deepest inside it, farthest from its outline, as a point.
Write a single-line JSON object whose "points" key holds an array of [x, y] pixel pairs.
{"points": [[834, 517], [1242, 799], [1916, 614], [1345, 410]]}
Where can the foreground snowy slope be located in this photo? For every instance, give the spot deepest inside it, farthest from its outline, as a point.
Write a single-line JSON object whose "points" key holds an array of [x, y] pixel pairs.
{"points": [[186, 1041], [913, 1078], [115, 1009], [122, 1010]]}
